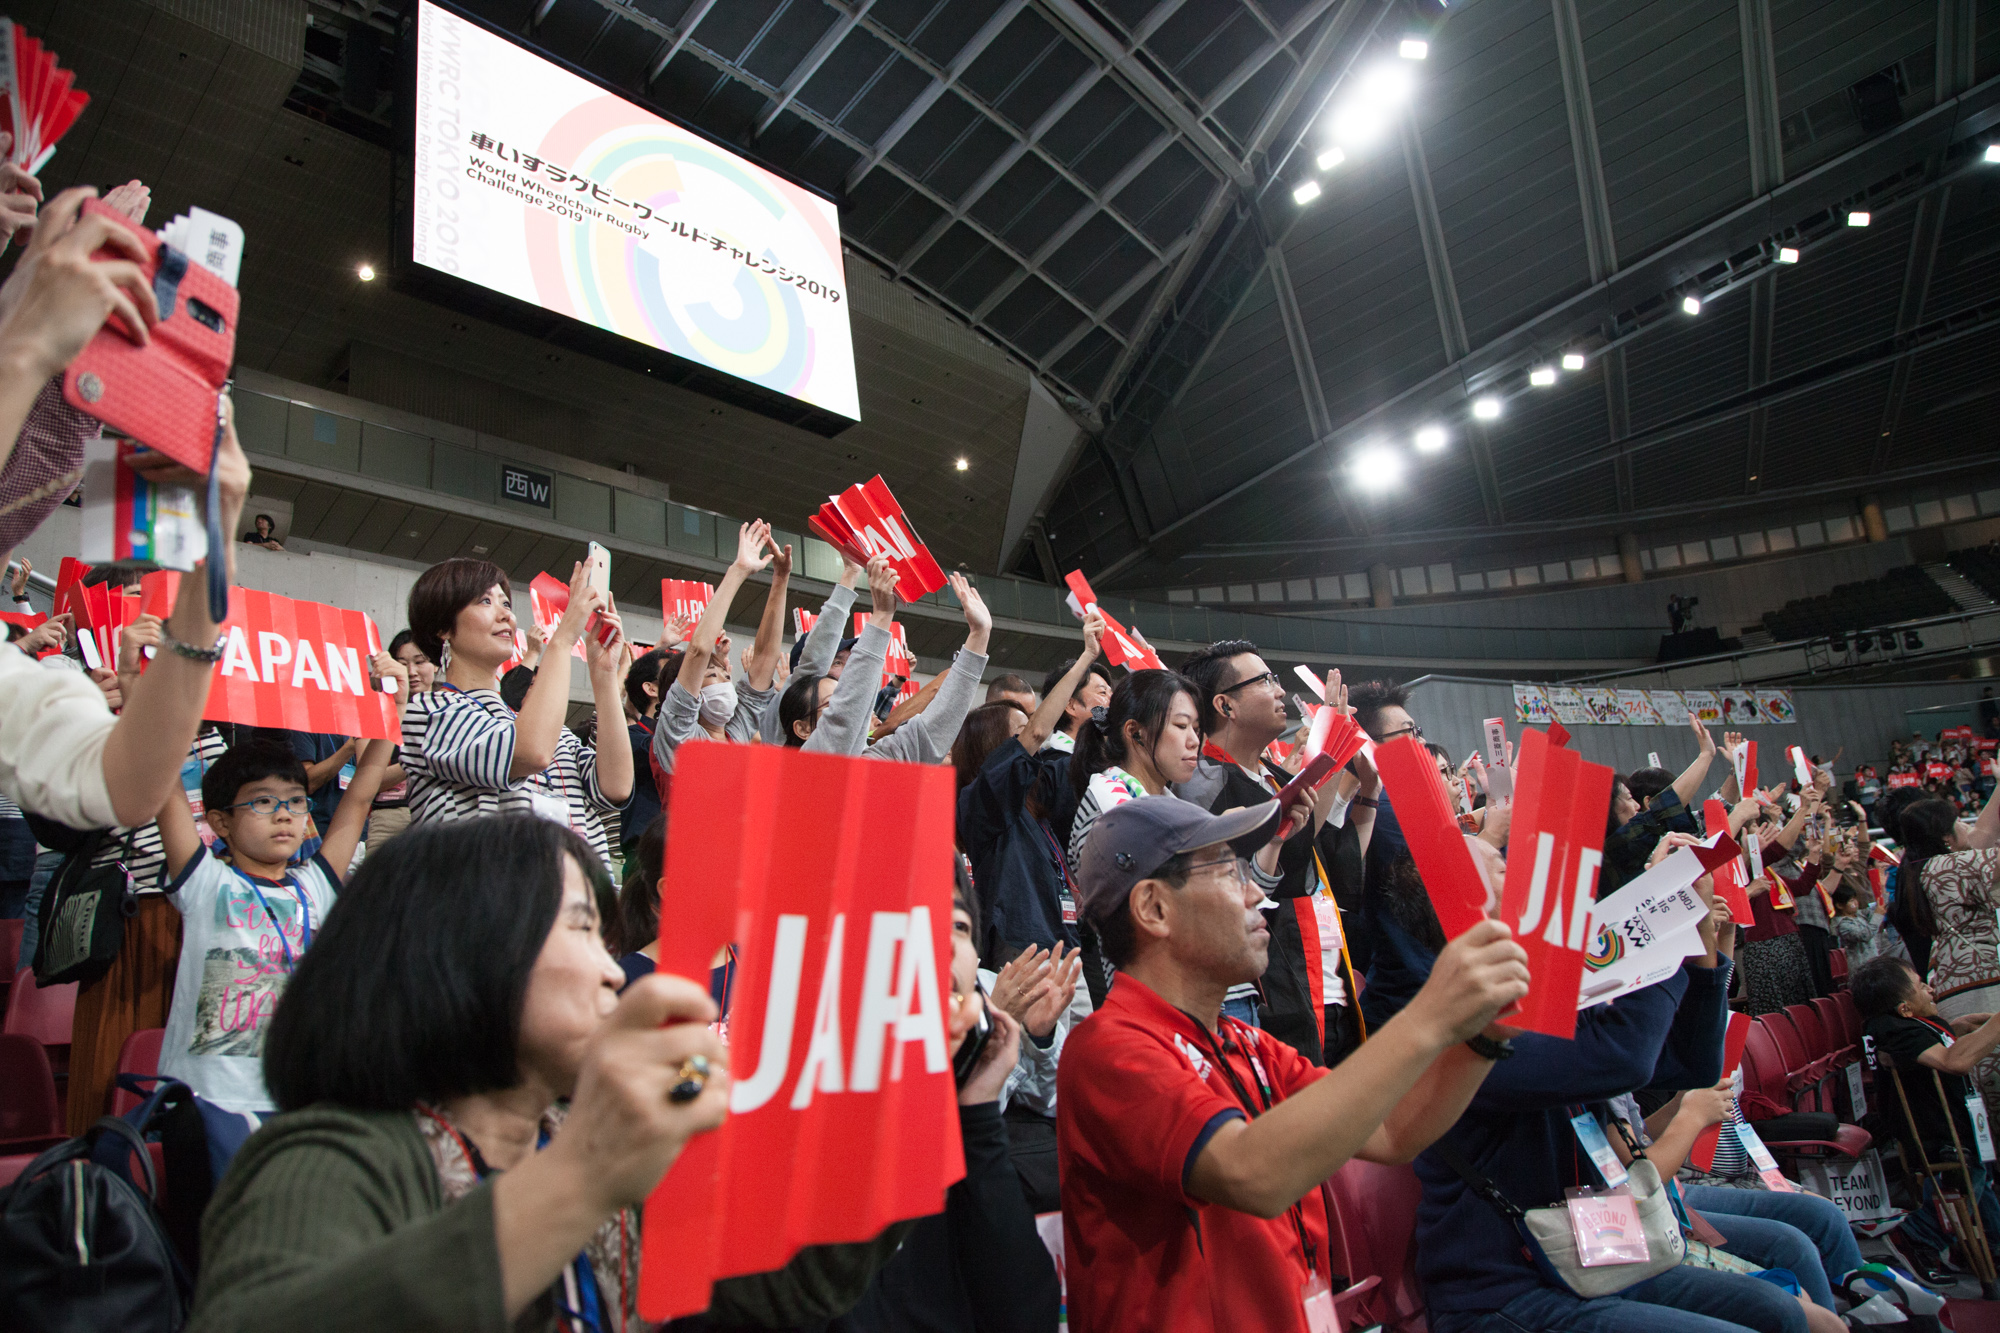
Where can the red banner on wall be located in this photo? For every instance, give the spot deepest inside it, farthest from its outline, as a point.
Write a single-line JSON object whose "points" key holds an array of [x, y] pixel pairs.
{"points": [[843, 1112], [1555, 846], [300, 666]]}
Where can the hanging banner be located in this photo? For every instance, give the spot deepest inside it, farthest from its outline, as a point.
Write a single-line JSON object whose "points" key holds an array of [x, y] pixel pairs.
{"points": [[1531, 705], [1638, 708], [1670, 706], [300, 666], [1454, 881], [1603, 707], [1567, 706], [1704, 705], [1739, 709], [843, 1111], [1556, 846]]}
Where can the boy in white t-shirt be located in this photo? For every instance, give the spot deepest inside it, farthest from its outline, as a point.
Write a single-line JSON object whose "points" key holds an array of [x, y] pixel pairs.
{"points": [[247, 913]]}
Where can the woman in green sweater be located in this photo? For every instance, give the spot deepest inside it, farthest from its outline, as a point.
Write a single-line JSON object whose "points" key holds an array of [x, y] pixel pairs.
{"points": [[472, 1114]]}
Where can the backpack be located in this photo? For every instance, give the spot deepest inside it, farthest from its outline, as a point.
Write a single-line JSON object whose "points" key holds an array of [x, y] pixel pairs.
{"points": [[85, 1249], [82, 918]]}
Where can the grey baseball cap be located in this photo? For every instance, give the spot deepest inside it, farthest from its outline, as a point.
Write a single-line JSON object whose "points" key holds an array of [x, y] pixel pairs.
{"points": [[1130, 842]]}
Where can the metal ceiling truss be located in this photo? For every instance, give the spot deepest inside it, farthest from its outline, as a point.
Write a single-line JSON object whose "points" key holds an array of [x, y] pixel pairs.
{"points": [[1925, 237], [1763, 326], [1877, 174], [1300, 342], [974, 47]]}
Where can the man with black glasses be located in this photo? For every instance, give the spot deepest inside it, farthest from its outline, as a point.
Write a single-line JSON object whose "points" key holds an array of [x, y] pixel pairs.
{"points": [[1307, 993], [1194, 1149]]}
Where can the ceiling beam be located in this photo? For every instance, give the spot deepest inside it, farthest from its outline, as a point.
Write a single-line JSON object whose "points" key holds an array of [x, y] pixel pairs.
{"points": [[1123, 61], [806, 68], [940, 84], [1618, 422], [1763, 320], [1600, 242], [1925, 237], [1444, 296], [1760, 95], [1264, 55], [1593, 309], [1126, 291], [1318, 420], [674, 41], [1955, 47]]}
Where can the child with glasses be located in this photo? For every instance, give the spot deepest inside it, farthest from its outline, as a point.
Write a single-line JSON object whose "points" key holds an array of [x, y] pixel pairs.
{"points": [[248, 911]]}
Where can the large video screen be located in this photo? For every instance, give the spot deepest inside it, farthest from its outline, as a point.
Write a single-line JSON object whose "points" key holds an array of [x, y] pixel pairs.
{"points": [[536, 183]]}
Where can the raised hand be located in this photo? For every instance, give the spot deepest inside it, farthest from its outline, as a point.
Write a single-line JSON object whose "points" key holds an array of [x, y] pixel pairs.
{"points": [[132, 199], [388, 668], [58, 296], [18, 584], [583, 599], [1093, 634], [751, 539], [51, 633], [1336, 694], [1019, 977], [978, 619], [675, 629], [882, 579], [781, 557], [1701, 734], [138, 636], [605, 658], [20, 196], [1478, 975]]}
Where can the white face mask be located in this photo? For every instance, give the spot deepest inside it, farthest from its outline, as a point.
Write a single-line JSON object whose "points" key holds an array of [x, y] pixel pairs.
{"points": [[718, 703]]}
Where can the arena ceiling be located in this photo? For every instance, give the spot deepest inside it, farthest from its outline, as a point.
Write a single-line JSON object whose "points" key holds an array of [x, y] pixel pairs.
{"points": [[1106, 190]]}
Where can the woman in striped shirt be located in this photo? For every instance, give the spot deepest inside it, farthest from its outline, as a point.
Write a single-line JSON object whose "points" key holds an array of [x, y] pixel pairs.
{"points": [[466, 753]]}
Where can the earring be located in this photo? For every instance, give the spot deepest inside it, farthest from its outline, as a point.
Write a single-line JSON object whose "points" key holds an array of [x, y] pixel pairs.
{"points": [[444, 657]]}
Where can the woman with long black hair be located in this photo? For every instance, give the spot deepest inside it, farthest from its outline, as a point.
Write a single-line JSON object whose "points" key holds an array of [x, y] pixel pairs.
{"points": [[1951, 875]]}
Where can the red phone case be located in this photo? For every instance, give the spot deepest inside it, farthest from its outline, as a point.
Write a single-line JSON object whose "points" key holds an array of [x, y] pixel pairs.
{"points": [[163, 393]]}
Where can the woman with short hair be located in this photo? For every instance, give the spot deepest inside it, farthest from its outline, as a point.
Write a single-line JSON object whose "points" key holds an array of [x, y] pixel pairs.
{"points": [[467, 753], [471, 1114]]}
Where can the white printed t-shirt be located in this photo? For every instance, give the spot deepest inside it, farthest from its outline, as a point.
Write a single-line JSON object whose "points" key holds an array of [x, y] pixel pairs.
{"points": [[233, 968]]}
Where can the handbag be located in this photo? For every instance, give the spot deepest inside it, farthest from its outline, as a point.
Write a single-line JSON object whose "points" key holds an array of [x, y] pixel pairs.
{"points": [[82, 918], [1551, 1240]]}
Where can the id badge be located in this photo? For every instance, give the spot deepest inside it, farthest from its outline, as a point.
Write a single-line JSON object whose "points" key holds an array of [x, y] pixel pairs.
{"points": [[1760, 1156], [1326, 915], [1607, 1228], [1857, 1094], [552, 808], [1982, 1132], [1317, 1297], [1068, 910], [1591, 1135]]}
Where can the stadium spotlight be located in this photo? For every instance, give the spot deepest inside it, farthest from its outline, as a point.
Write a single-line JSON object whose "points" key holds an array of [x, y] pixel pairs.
{"points": [[1993, 152], [365, 272], [1487, 408], [1857, 218], [1364, 116], [1414, 48], [1912, 641], [1376, 468], [1306, 193], [1864, 643], [1331, 158], [1542, 376], [1691, 304], [1428, 439], [1572, 360], [1837, 641], [963, 464], [1787, 255]]}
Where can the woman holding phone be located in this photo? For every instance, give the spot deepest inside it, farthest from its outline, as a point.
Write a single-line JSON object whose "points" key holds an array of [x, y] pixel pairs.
{"points": [[467, 754]]}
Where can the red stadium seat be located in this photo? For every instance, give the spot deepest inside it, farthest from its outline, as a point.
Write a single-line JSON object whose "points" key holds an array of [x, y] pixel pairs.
{"points": [[13, 1164], [46, 1013], [1819, 1046], [1767, 1089], [1803, 1071], [1850, 1018], [10, 950], [1834, 1025], [139, 1055], [1374, 1243], [28, 1108]]}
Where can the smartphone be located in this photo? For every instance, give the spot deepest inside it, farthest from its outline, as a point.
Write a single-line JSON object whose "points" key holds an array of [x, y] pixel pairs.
{"points": [[599, 564], [975, 1041]]}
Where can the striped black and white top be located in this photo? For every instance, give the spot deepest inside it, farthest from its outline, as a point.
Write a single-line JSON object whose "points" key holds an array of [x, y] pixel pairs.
{"points": [[458, 747]]}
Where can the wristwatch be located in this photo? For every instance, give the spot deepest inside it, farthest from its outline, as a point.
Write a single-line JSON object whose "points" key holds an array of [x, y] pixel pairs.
{"points": [[1488, 1049], [208, 656]]}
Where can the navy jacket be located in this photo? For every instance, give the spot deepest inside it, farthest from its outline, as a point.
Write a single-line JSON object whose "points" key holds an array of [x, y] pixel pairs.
{"points": [[1017, 862], [1517, 1129]]}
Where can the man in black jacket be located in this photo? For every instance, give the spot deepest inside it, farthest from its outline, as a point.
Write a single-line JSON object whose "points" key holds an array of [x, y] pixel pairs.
{"points": [[1308, 988]]}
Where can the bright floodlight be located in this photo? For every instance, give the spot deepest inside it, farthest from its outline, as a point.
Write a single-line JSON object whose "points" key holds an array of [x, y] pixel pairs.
{"points": [[1993, 152], [1542, 376], [1788, 254], [1691, 305], [963, 464], [1572, 360], [1367, 113], [366, 272], [1306, 193], [1414, 48], [1857, 218], [1376, 468], [1487, 408], [1331, 158], [1429, 439]]}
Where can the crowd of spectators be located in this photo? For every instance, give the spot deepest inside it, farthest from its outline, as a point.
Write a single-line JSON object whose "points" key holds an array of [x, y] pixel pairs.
{"points": [[413, 982]]}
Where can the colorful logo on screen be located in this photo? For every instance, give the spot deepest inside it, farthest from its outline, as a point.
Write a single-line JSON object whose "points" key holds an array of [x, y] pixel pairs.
{"points": [[714, 260]]}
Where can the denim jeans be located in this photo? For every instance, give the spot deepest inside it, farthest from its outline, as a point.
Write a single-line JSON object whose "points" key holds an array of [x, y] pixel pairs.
{"points": [[1802, 1232], [1681, 1300], [46, 865], [1244, 1009], [1921, 1226]]}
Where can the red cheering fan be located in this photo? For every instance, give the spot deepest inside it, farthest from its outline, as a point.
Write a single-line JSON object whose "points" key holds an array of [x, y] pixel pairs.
{"points": [[42, 100], [865, 521], [1120, 645]]}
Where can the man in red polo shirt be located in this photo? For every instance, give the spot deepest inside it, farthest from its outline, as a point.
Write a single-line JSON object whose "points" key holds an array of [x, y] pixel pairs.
{"points": [[1192, 1147]]}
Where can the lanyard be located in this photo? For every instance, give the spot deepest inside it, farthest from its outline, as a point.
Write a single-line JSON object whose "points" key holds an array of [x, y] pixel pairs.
{"points": [[579, 1282], [1068, 904], [305, 914], [1346, 962], [1297, 1211]]}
